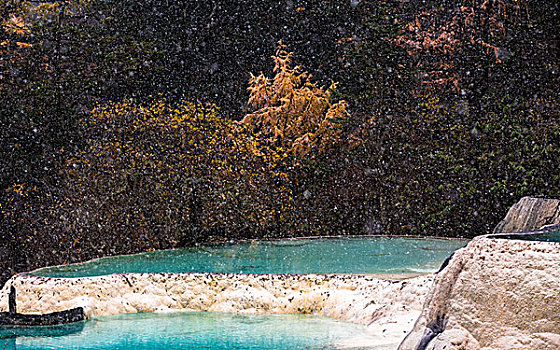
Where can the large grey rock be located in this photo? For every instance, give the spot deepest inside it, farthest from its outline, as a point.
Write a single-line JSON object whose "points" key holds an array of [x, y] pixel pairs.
{"points": [[530, 214], [494, 294]]}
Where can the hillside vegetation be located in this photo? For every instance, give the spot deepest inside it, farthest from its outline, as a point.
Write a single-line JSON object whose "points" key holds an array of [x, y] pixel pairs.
{"points": [[128, 126]]}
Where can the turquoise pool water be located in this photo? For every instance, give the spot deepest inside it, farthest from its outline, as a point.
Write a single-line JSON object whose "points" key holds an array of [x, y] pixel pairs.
{"points": [[552, 235], [357, 255], [186, 331]]}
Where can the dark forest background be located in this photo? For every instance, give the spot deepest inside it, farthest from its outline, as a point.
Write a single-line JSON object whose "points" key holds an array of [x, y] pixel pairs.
{"points": [[454, 116]]}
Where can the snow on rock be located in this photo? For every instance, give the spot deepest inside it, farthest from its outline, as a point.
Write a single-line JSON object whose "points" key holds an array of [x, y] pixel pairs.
{"points": [[388, 308], [494, 294]]}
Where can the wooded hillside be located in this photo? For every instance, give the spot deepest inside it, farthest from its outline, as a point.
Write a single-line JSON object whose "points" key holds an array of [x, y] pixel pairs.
{"points": [[129, 126]]}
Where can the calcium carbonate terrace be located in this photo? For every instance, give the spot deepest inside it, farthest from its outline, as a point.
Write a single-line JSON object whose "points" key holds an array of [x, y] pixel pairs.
{"points": [[315, 277]]}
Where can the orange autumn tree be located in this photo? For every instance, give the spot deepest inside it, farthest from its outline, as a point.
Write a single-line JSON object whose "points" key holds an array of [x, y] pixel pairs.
{"points": [[456, 45], [294, 112], [13, 45]]}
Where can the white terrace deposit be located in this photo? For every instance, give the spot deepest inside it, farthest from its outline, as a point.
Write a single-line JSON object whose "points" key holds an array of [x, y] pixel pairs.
{"points": [[494, 294], [388, 308], [497, 293]]}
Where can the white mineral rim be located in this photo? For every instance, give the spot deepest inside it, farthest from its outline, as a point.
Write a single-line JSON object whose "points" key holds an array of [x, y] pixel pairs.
{"points": [[387, 308]]}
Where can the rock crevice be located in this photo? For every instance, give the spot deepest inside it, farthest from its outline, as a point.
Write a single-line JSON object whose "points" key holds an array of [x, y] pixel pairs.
{"points": [[433, 319]]}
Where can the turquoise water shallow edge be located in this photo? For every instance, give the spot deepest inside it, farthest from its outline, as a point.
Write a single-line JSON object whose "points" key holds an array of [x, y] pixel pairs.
{"points": [[356, 255], [552, 236], [190, 330]]}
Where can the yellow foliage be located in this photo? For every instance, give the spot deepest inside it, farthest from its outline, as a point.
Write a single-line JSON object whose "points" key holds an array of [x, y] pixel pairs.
{"points": [[292, 110], [16, 25], [161, 150]]}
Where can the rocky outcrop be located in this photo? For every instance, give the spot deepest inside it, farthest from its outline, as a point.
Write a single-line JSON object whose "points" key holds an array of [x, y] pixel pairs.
{"points": [[493, 294], [530, 214], [387, 308]]}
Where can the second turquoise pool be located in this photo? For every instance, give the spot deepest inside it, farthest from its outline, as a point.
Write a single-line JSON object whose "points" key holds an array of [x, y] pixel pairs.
{"points": [[357, 255]]}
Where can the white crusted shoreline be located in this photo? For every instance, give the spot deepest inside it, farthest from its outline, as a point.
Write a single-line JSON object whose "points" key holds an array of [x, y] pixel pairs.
{"points": [[493, 294], [388, 308]]}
